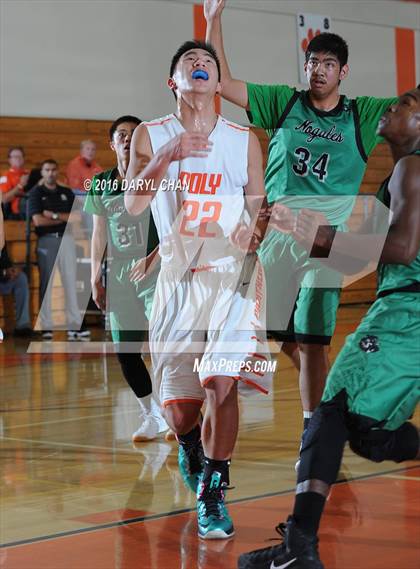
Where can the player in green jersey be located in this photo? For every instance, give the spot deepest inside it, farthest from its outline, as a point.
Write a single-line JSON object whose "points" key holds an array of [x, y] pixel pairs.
{"points": [[131, 243], [320, 141], [374, 386]]}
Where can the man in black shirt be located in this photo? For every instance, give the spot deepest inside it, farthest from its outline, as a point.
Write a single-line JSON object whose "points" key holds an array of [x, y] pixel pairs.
{"points": [[49, 208]]}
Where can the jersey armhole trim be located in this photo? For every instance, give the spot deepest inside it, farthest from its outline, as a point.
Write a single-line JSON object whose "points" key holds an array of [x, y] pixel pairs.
{"points": [[287, 109], [358, 133]]}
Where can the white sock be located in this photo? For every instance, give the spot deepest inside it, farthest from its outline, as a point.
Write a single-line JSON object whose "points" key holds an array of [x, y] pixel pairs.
{"points": [[155, 408], [307, 414], [145, 403]]}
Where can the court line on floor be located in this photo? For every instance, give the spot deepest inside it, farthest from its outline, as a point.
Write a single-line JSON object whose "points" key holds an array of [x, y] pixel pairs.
{"points": [[73, 419], [69, 445], [399, 477], [285, 390], [153, 517]]}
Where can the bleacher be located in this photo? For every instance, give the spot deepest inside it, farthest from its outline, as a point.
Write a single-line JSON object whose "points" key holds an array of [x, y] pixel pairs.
{"points": [[60, 139]]}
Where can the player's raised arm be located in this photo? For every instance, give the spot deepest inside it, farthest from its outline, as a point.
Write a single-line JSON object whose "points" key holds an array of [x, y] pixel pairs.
{"points": [[147, 170], [233, 90]]}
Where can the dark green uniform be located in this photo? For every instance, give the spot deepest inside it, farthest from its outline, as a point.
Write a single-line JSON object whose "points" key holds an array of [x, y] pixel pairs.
{"points": [[130, 238], [316, 160], [379, 365]]}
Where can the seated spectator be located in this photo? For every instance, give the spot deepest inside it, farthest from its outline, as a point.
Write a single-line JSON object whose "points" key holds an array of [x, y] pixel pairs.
{"points": [[13, 182], [1, 225], [1, 245], [49, 208], [83, 167], [14, 281]]}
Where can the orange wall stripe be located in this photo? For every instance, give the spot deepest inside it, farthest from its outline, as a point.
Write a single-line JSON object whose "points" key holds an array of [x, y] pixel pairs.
{"points": [[405, 56], [199, 22], [200, 25]]}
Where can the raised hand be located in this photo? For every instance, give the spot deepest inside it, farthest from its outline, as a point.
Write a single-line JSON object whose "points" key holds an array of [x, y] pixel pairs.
{"points": [[186, 145], [213, 8]]}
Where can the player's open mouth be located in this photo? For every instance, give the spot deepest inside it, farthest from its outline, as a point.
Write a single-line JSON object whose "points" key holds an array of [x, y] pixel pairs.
{"points": [[200, 74], [318, 82]]}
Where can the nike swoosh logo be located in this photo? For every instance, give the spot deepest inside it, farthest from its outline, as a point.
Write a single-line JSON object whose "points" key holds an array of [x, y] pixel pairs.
{"points": [[272, 566]]}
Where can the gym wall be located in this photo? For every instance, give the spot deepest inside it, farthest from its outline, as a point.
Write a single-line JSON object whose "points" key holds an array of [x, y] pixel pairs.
{"points": [[100, 59]]}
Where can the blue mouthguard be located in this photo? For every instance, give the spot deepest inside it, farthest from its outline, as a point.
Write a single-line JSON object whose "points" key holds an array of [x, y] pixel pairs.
{"points": [[200, 74]]}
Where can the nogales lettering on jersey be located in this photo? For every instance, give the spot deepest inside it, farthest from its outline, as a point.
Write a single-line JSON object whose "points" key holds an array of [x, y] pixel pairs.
{"points": [[316, 132], [200, 182]]}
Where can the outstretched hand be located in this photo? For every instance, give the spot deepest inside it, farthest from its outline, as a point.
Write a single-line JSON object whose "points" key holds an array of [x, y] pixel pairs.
{"points": [[213, 9], [244, 238], [308, 231], [282, 218]]}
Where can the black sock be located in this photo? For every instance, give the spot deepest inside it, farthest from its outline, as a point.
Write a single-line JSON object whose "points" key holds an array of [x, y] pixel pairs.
{"points": [[211, 465], [308, 511], [191, 438]]}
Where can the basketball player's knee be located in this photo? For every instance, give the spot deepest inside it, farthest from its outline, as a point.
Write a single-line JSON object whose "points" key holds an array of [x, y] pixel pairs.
{"points": [[181, 418], [323, 443], [312, 348], [330, 416], [221, 391], [379, 444]]}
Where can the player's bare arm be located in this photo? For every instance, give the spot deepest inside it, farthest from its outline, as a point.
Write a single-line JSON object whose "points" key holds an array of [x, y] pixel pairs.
{"points": [[233, 90], [147, 170], [403, 239], [98, 245], [250, 237]]}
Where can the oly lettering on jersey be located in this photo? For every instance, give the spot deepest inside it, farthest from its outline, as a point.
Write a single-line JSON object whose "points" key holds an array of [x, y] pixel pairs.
{"points": [[200, 182]]}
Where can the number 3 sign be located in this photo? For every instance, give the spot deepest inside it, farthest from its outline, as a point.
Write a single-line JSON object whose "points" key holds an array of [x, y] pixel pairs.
{"points": [[309, 26]]}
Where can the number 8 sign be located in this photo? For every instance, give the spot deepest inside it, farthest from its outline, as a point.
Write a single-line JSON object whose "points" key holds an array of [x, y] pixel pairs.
{"points": [[309, 26]]}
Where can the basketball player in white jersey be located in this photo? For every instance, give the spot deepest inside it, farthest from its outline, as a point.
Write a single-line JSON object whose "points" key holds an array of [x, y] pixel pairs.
{"points": [[204, 178]]}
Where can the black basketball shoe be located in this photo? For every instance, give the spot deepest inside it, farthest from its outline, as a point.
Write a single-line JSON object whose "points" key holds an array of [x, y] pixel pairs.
{"points": [[298, 551]]}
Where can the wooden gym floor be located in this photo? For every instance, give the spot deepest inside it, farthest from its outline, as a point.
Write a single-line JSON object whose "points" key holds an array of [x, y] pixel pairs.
{"points": [[77, 495]]}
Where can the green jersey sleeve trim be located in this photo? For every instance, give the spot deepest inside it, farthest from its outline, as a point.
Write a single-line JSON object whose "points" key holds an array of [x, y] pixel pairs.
{"points": [[359, 141], [93, 202], [370, 110], [287, 109], [267, 104]]}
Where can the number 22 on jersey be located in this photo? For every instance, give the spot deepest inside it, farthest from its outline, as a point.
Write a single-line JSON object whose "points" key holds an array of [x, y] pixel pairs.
{"points": [[191, 210]]}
